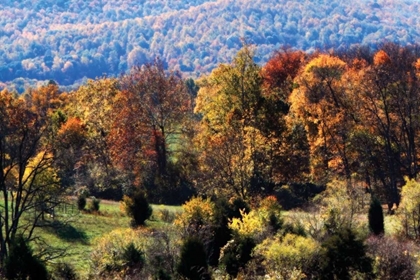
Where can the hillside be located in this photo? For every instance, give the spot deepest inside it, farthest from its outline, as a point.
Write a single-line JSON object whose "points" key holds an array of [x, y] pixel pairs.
{"points": [[69, 40]]}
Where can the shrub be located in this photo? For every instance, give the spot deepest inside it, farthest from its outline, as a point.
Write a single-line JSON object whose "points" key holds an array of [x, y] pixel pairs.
{"points": [[236, 253], [166, 216], [393, 259], [116, 251], [259, 222], [238, 205], [81, 202], [339, 204], [342, 254], [162, 251], [193, 260], [138, 208], [64, 271], [94, 204], [132, 256], [285, 255], [22, 264], [409, 209], [376, 217], [196, 213]]}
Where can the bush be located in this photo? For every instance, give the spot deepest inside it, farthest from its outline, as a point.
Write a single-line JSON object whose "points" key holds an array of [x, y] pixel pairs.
{"points": [[117, 254], [196, 213], [138, 208], [409, 209], [94, 204], [162, 252], [166, 216], [64, 271], [285, 255], [193, 262], [132, 256], [393, 259], [342, 254], [236, 254], [376, 217], [81, 202], [22, 264]]}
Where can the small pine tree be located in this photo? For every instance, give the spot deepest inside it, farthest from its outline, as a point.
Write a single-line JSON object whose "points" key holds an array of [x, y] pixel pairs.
{"points": [[138, 208], [376, 217], [81, 202], [94, 204], [22, 264], [341, 255], [193, 261]]}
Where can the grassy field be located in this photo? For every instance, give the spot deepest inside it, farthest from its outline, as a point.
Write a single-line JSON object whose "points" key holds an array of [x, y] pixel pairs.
{"points": [[78, 235]]}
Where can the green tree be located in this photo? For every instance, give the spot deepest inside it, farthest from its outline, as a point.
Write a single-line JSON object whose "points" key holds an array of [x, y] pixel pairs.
{"points": [[21, 264], [138, 208], [376, 217], [229, 101], [342, 255], [193, 260]]}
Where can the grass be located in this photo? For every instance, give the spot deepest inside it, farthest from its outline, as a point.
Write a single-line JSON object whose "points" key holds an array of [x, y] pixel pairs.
{"points": [[78, 234]]}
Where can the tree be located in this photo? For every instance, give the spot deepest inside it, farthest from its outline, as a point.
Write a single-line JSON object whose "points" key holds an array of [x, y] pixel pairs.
{"points": [[22, 264], [376, 217], [153, 122], [29, 185], [343, 254], [138, 208], [193, 260], [161, 102], [83, 148], [324, 104], [389, 103], [229, 102]]}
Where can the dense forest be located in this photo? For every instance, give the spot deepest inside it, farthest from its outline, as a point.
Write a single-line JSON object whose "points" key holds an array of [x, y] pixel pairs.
{"points": [[281, 169], [70, 40]]}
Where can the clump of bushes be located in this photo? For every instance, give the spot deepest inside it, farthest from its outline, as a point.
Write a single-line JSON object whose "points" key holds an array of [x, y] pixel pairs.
{"points": [[118, 253], [342, 256], [392, 257]]}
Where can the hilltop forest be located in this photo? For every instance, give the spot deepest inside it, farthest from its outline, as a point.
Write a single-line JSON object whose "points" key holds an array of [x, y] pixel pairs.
{"points": [[329, 133], [70, 41]]}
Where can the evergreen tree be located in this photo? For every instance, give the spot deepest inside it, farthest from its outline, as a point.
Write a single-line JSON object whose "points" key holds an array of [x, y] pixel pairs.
{"points": [[376, 217]]}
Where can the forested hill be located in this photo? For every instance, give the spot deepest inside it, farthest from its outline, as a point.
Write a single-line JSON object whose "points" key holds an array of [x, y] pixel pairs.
{"points": [[68, 40]]}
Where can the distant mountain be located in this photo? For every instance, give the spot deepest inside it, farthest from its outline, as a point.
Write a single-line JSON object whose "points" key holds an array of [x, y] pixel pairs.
{"points": [[69, 40]]}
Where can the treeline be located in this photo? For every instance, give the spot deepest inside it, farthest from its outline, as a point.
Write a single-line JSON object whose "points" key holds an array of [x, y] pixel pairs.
{"points": [[69, 41], [333, 132], [244, 130]]}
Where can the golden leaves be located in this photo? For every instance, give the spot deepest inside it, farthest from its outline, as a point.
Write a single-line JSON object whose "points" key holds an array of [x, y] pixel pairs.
{"points": [[381, 58]]}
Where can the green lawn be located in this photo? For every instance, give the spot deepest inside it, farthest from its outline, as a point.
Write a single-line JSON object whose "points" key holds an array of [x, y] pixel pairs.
{"points": [[78, 236]]}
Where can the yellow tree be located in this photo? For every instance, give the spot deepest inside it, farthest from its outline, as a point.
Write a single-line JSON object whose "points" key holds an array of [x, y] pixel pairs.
{"points": [[229, 100], [28, 184], [87, 125], [324, 102]]}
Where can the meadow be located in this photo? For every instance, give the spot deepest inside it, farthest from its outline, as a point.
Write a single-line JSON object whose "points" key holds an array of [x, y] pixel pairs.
{"points": [[80, 229]]}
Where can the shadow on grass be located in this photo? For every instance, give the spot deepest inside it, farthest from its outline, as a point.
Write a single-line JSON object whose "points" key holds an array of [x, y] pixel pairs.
{"points": [[69, 233]]}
